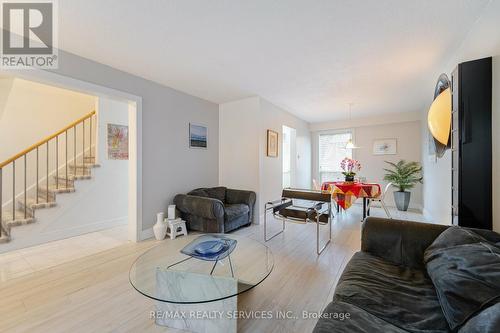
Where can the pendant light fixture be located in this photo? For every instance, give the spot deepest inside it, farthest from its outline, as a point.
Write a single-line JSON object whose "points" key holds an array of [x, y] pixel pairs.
{"points": [[350, 144]]}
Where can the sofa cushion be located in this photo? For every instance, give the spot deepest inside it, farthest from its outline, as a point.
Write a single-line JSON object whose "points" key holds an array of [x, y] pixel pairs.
{"points": [[487, 321], [235, 210], [401, 296], [341, 317], [465, 269], [199, 193], [218, 193]]}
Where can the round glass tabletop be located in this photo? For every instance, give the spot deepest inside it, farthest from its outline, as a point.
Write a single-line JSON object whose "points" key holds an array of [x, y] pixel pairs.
{"points": [[195, 275]]}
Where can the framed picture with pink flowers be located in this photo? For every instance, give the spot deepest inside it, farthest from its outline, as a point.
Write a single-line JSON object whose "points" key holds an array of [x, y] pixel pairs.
{"points": [[117, 142]]}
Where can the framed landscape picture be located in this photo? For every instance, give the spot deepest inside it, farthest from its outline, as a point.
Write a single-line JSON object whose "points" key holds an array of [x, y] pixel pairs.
{"points": [[272, 143], [385, 147], [198, 136]]}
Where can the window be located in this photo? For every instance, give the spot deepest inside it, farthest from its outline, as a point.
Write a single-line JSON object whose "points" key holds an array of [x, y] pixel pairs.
{"points": [[331, 152], [289, 137]]}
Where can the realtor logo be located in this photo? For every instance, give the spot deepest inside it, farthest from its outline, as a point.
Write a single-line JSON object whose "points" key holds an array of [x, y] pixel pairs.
{"points": [[28, 34]]}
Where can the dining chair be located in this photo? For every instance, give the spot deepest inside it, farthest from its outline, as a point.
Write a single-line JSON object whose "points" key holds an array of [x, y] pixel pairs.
{"points": [[380, 199], [318, 187]]}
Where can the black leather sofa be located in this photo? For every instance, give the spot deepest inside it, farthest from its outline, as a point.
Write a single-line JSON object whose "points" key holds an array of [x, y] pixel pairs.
{"points": [[216, 209], [418, 277]]}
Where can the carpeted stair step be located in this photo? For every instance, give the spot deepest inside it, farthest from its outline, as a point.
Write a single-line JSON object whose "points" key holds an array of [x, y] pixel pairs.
{"points": [[80, 166], [20, 219], [71, 179], [44, 197], [81, 170], [62, 180], [5, 236], [53, 190], [32, 205]]}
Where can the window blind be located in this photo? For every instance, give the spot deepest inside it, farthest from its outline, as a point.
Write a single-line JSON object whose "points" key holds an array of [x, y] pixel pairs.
{"points": [[332, 151]]}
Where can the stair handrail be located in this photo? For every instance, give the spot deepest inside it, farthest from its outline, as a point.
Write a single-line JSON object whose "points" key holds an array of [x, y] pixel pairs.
{"points": [[36, 147], [47, 139]]}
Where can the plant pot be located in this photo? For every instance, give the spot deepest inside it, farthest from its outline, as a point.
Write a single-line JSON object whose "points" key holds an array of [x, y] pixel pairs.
{"points": [[402, 200], [349, 178]]}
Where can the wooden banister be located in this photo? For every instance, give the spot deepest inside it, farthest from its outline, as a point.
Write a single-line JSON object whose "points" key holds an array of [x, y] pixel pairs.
{"points": [[47, 139]]}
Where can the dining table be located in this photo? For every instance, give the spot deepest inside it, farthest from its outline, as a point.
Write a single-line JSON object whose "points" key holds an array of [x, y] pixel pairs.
{"points": [[346, 193]]}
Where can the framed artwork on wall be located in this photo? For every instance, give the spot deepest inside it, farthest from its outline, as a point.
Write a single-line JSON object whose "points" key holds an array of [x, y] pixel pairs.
{"points": [[117, 142], [385, 147], [272, 143], [198, 136]]}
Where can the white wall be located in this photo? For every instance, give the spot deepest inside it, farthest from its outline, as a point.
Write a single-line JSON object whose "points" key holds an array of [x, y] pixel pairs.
{"points": [[407, 134], [96, 204], [408, 148], [271, 169], [5, 87], [34, 111], [482, 40], [437, 181], [169, 166], [31, 112], [239, 163], [112, 191], [243, 139]]}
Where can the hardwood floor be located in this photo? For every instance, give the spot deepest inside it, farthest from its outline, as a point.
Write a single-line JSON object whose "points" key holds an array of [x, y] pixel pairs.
{"points": [[301, 280], [93, 294], [25, 261]]}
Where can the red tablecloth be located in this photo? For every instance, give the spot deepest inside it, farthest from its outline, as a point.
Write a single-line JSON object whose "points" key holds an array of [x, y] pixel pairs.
{"points": [[346, 193]]}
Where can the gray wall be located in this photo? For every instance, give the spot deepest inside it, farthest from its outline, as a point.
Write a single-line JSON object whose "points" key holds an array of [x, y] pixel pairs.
{"points": [[169, 166]]}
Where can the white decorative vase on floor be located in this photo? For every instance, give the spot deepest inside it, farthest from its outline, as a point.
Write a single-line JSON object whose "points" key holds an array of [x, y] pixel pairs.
{"points": [[160, 228]]}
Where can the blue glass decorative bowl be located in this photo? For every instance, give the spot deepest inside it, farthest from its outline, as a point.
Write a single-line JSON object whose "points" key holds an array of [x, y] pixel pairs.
{"points": [[210, 247]]}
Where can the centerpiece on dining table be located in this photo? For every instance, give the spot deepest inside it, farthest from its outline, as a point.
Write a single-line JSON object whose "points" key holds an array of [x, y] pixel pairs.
{"points": [[350, 167]]}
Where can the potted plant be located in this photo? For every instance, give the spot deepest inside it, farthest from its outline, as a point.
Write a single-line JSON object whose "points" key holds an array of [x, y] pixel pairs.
{"points": [[350, 167], [403, 175]]}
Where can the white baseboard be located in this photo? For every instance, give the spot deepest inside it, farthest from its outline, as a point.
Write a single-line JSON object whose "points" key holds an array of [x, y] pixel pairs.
{"points": [[146, 234], [427, 215]]}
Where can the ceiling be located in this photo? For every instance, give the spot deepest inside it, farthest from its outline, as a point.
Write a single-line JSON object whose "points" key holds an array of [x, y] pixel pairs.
{"points": [[312, 58]]}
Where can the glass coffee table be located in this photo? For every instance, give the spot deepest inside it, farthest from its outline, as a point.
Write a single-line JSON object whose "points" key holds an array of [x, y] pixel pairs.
{"points": [[196, 294]]}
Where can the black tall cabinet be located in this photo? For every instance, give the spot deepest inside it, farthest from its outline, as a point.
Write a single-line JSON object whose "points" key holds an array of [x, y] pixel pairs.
{"points": [[471, 144]]}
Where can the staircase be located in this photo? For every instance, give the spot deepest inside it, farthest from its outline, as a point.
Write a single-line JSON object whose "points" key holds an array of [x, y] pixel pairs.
{"points": [[36, 176]]}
